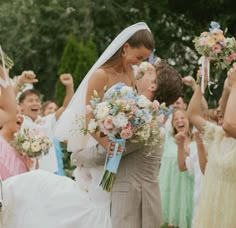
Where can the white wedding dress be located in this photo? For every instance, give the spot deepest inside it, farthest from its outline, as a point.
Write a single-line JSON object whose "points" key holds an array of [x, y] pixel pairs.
{"points": [[40, 199]]}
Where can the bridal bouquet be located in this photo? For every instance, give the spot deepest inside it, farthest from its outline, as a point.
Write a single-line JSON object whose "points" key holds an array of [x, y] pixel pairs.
{"points": [[31, 143], [215, 46], [122, 116]]}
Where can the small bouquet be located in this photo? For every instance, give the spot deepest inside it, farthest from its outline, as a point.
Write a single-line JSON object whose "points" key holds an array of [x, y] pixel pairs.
{"points": [[123, 115], [215, 47], [31, 143]]}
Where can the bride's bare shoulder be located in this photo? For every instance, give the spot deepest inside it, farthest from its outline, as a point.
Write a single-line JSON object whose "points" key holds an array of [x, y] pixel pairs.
{"points": [[100, 74]]}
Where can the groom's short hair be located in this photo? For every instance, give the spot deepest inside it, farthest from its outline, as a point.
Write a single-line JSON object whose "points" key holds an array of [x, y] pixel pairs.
{"points": [[169, 83]]}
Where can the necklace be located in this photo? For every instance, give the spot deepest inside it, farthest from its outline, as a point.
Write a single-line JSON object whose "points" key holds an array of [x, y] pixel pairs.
{"points": [[118, 74]]}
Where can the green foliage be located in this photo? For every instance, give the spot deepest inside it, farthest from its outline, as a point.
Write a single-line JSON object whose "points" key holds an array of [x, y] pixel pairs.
{"points": [[87, 57], [68, 168], [77, 59], [69, 60], [33, 33]]}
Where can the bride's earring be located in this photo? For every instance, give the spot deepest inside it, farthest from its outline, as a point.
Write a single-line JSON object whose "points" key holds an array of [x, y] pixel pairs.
{"points": [[123, 53]]}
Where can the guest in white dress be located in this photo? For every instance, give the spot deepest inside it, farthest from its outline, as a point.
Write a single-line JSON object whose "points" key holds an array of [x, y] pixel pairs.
{"points": [[30, 104]]}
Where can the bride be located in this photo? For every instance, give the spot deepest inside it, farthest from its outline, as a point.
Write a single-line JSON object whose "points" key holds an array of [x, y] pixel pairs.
{"points": [[41, 199]]}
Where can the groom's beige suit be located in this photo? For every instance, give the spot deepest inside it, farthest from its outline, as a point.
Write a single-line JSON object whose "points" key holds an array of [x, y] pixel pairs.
{"points": [[135, 194]]}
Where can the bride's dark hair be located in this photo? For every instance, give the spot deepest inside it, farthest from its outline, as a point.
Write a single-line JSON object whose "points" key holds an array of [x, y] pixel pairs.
{"points": [[141, 38]]}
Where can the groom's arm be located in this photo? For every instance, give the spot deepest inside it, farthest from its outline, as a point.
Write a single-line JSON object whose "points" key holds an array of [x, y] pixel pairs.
{"points": [[89, 157], [130, 148], [96, 155]]}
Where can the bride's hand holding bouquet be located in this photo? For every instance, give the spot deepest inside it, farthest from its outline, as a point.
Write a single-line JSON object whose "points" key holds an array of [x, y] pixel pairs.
{"points": [[123, 115]]}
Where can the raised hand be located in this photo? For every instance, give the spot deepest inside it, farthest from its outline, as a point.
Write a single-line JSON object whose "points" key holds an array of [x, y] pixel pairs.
{"points": [[66, 79], [231, 75], [180, 138], [190, 81], [27, 77], [197, 137]]}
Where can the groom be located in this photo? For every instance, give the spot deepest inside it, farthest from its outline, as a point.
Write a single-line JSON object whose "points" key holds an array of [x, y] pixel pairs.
{"points": [[135, 194]]}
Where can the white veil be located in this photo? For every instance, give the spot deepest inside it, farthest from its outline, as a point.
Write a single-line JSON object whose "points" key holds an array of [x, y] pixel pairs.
{"points": [[76, 108]]}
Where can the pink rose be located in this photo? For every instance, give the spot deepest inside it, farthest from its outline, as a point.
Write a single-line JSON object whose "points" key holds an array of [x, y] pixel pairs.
{"points": [[134, 109], [108, 123], [126, 133], [88, 109], [231, 57], [155, 105], [131, 101], [122, 103], [216, 48], [103, 129], [35, 131], [202, 41], [44, 146]]}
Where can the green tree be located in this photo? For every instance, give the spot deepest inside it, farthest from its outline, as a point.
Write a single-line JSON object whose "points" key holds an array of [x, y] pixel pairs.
{"points": [[77, 59], [33, 33], [87, 57], [68, 63]]}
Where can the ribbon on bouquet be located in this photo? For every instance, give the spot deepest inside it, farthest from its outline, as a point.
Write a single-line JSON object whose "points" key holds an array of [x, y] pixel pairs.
{"points": [[205, 72], [112, 165], [114, 161]]}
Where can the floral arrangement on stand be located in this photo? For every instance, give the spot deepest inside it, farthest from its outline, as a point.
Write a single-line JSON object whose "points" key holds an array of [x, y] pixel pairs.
{"points": [[214, 47], [124, 116], [31, 143]]}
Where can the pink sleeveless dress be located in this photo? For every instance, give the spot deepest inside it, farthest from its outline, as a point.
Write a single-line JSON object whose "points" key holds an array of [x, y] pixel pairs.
{"points": [[11, 163]]}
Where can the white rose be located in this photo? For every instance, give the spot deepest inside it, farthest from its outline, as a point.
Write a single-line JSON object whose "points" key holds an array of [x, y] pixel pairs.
{"points": [[145, 132], [35, 147], [120, 120], [92, 125], [125, 89], [26, 145], [37, 136], [143, 102], [127, 107], [230, 42], [102, 111]]}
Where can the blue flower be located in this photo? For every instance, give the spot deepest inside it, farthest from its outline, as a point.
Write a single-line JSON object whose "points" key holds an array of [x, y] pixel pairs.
{"points": [[214, 25], [118, 86], [114, 110], [136, 122], [146, 115], [130, 95], [166, 112], [138, 113]]}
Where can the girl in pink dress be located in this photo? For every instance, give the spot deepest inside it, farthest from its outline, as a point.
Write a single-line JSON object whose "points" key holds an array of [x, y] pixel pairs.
{"points": [[11, 162]]}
